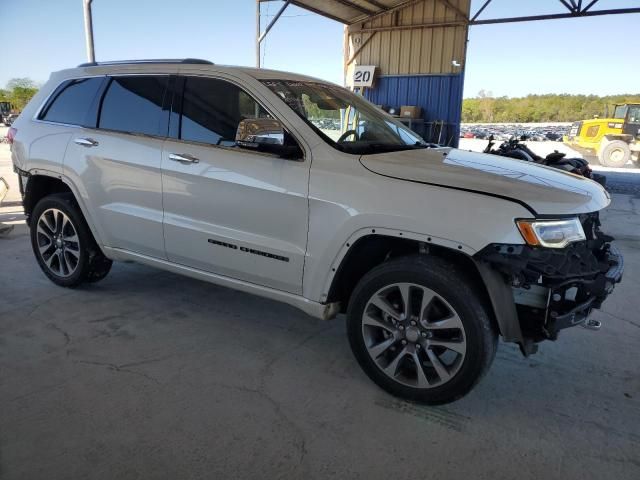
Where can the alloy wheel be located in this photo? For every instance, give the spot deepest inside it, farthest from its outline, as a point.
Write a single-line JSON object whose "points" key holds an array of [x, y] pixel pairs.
{"points": [[58, 242], [414, 335]]}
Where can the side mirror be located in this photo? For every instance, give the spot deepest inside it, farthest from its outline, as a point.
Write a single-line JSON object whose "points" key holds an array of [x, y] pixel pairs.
{"points": [[266, 135]]}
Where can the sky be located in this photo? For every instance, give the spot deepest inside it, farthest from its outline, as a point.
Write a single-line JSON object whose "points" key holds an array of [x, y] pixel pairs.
{"points": [[596, 55]]}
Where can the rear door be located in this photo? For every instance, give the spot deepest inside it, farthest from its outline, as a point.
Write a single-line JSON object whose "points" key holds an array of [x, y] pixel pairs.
{"points": [[116, 165], [228, 210], [64, 114]]}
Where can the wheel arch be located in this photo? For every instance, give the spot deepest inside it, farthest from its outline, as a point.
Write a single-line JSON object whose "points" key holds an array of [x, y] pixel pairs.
{"points": [[626, 138], [374, 248], [38, 186], [41, 183]]}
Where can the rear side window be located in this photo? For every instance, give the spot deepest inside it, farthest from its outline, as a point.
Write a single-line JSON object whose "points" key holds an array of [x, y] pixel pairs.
{"points": [[134, 105], [212, 110], [71, 102]]}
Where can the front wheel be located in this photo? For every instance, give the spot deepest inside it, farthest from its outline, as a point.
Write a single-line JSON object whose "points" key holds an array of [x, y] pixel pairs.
{"points": [[420, 331], [615, 153]]}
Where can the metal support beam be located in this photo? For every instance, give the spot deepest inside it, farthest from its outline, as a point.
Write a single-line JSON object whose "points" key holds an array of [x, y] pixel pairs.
{"points": [[571, 8], [480, 10], [275, 19], [408, 3], [88, 30], [359, 49], [556, 16], [459, 23], [257, 33], [377, 4], [259, 36], [355, 6], [591, 4]]}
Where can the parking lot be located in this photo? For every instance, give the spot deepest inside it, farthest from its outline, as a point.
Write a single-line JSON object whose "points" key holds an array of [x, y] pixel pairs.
{"points": [[150, 374]]}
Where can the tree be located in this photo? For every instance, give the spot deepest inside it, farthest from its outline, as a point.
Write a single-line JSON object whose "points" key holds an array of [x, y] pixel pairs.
{"points": [[540, 108], [486, 104], [19, 91], [21, 83]]}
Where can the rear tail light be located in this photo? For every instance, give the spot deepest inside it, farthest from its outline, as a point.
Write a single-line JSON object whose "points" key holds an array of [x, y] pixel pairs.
{"points": [[11, 134]]}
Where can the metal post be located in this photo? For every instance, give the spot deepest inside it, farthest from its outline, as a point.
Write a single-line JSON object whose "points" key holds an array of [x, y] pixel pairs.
{"points": [[273, 22], [257, 33], [260, 36], [88, 31]]}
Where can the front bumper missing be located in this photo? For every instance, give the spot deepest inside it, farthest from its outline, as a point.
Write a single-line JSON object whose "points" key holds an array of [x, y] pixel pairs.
{"points": [[554, 289], [564, 314]]}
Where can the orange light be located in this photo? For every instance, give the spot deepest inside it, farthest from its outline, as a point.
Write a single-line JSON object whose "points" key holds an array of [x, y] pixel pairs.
{"points": [[527, 232]]}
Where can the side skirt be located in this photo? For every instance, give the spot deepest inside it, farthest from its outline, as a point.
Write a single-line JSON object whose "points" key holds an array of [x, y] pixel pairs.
{"points": [[323, 311]]}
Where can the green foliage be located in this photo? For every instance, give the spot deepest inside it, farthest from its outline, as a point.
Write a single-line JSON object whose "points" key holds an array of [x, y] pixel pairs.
{"points": [[315, 112], [539, 108], [18, 92]]}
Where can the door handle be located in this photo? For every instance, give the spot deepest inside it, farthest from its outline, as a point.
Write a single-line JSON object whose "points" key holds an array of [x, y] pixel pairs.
{"points": [[86, 142], [183, 158]]}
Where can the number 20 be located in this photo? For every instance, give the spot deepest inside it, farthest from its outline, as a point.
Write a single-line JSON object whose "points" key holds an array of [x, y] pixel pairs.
{"points": [[362, 76]]}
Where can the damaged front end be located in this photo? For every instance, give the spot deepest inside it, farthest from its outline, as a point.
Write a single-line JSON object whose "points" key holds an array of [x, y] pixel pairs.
{"points": [[556, 288]]}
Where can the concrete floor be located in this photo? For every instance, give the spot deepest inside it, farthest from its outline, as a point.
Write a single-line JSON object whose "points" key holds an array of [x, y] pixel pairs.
{"points": [[151, 375]]}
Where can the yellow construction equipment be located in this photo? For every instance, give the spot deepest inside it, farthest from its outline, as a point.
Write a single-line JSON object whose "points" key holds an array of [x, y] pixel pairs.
{"points": [[614, 141]]}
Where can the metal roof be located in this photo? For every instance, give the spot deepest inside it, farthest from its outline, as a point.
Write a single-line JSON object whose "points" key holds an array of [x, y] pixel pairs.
{"points": [[350, 11], [355, 11]]}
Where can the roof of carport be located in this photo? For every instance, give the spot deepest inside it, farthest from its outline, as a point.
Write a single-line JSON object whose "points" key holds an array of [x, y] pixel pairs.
{"points": [[350, 11], [354, 11]]}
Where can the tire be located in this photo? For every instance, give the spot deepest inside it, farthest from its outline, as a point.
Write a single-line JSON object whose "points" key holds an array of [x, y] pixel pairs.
{"points": [[614, 153], [377, 339], [63, 244]]}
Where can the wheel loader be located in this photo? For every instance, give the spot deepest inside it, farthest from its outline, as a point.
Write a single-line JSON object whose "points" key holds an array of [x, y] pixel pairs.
{"points": [[614, 140]]}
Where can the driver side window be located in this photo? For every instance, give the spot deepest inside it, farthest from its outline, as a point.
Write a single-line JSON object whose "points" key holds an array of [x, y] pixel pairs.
{"points": [[212, 109]]}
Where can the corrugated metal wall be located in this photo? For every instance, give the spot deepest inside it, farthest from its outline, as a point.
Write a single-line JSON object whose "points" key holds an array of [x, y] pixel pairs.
{"points": [[440, 97], [414, 59]]}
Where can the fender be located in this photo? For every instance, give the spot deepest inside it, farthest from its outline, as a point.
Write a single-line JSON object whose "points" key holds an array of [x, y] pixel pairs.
{"points": [[504, 307], [387, 232], [498, 290], [95, 231]]}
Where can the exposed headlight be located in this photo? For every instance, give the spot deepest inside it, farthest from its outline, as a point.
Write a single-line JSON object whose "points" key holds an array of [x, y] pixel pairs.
{"points": [[551, 233]]}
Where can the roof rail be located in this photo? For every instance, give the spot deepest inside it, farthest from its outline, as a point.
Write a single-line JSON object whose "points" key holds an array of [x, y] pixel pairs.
{"points": [[197, 61]]}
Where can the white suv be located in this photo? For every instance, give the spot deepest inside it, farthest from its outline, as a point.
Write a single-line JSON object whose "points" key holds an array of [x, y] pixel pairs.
{"points": [[301, 191]]}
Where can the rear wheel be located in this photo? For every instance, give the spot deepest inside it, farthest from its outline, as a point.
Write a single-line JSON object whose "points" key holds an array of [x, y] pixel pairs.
{"points": [[419, 330], [63, 245], [614, 153]]}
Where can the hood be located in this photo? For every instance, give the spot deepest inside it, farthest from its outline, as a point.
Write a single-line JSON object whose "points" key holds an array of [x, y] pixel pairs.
{"points": [[542, 190]]}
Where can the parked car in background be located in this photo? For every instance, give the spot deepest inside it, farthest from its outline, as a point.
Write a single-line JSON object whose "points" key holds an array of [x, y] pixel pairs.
{"points": [[232, 175], [506, 131]]}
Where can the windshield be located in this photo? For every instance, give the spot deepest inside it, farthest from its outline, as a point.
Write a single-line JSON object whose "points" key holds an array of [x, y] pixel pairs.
{"points": [[345, 120], [620, 111]]}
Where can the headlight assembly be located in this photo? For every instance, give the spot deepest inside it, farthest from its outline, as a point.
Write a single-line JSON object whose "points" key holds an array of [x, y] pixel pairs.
{"points": [[551, 233]]}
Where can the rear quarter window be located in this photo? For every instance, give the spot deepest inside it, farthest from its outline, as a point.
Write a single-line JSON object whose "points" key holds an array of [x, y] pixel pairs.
{"points": [[134, 105], [71, 101]]}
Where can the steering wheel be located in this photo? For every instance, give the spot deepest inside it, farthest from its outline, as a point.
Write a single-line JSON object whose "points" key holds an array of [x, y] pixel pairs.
{"points": [[346, 135]]}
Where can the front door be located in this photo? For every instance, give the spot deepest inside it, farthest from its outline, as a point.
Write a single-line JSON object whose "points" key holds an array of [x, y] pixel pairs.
{"points": [[229, 210]]}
